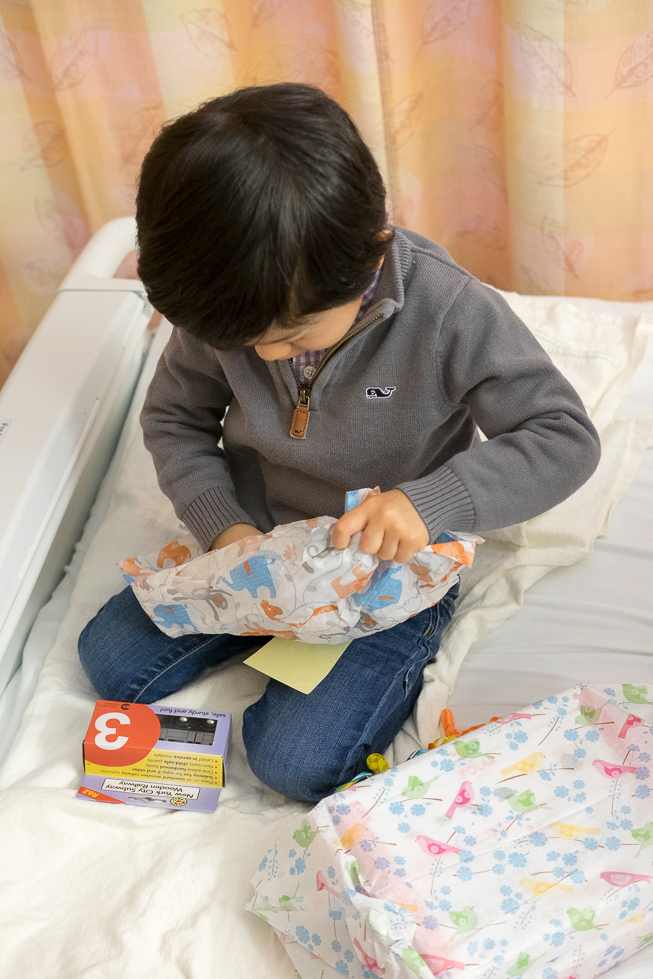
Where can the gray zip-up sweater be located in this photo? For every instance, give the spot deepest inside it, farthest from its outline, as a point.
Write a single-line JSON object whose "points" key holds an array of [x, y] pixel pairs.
{"points": [[397, 405]]}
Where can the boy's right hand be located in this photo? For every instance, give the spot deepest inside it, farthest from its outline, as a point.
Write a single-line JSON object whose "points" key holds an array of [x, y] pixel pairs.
{"points": [[234, 533]]}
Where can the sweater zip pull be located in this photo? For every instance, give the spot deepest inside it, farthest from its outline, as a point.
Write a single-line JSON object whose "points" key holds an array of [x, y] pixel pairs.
{"points": [[300, 415]]}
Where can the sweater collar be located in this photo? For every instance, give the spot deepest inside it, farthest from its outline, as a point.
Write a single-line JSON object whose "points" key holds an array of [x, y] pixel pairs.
{"points": [[396, 264], [388, 299], [389, 293]]}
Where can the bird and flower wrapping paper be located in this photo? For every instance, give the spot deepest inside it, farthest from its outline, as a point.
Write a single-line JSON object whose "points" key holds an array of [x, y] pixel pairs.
{"points": [[292, 583], [524, 848]]}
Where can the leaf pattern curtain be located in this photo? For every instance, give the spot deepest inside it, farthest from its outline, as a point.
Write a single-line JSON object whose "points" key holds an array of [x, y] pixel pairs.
{"points": [[518, 133]]}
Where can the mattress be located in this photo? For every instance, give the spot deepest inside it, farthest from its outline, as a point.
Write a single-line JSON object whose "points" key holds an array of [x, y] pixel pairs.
{"points": [[95, 892]]}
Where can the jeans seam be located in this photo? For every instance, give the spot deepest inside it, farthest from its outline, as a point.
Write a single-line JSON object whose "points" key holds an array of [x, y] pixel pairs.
{"points": [[355, 748], [423, 645], [170, 665], [380, 706]]}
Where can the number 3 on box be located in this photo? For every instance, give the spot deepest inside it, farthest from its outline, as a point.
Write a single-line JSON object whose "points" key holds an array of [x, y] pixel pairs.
{"points": [[120, 735], [103, 729]]}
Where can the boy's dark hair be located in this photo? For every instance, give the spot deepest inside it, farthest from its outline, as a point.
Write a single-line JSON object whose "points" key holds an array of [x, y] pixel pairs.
{"points": [[262, 206]]}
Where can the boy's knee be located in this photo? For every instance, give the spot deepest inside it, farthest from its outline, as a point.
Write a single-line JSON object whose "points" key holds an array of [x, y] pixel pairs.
{"points": [[288, 765], [107, 684], [104, 650], [288, 774]]}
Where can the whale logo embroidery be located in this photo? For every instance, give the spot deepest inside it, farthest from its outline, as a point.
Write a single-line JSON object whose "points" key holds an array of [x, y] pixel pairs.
{"points": [[379, 392]]}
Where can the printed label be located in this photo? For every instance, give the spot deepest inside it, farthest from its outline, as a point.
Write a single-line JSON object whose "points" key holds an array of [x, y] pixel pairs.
{"points": [[4, 425], [150, 788], [169, 766], [98, 796]]}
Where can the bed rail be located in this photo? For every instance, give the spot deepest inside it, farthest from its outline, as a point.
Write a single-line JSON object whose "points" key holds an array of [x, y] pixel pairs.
{"points": [[61, 412]]}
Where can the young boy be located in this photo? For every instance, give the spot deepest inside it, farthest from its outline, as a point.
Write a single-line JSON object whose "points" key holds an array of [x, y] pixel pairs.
{"points": [[349, 354]]}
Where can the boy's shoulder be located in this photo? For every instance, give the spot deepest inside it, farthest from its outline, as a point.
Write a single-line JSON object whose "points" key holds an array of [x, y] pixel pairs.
{"points": [[434, 275], [427, 253], [443, 300]]}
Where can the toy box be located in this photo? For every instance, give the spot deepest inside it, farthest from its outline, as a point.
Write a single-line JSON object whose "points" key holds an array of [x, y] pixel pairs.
{"points": [[148, 755]]}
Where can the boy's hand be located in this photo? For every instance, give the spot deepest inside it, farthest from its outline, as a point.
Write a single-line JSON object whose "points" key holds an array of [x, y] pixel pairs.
{"points": [[234, 533], [391, 527]]}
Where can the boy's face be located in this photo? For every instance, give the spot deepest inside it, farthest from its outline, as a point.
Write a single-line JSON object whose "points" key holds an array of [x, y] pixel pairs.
{"points": [[316, 332]]}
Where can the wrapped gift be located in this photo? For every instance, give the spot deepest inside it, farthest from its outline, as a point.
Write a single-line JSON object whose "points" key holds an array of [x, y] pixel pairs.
{"points": [[292, 583], [524, 848]]}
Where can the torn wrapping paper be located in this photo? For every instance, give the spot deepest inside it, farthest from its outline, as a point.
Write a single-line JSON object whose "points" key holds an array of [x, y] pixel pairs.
{"points": [[292, 583], [524, 848]]}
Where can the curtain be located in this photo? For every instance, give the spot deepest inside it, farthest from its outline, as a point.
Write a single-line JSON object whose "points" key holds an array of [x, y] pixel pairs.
{"points": [[517, 133]]}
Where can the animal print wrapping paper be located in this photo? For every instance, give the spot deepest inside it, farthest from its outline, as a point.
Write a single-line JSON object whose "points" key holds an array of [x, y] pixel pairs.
{"points": [[292, 583], [524, 848]]}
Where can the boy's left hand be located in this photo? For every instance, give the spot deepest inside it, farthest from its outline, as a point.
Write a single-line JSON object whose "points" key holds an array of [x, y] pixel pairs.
{"points": [[392, 527]]}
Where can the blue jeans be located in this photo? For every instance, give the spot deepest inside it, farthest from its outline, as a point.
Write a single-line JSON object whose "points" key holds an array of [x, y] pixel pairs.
{"points": [[302, 745]]}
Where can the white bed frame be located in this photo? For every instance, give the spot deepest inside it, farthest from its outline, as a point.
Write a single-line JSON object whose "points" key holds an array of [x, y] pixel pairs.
{"points": [[61, 413]]}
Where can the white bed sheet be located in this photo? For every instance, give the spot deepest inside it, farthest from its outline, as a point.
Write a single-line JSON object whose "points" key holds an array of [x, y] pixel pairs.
{"points": [[581, 622], [589, 621]]}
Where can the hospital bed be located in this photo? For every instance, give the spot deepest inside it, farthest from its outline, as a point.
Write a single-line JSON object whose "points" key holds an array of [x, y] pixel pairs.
{"points": [[88, 890]]}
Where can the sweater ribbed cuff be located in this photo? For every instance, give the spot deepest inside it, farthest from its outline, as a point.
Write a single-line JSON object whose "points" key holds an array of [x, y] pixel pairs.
{"points": [[210, 513], [442, 502]]}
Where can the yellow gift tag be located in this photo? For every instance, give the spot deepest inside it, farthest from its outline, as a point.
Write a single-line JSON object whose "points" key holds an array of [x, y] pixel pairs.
{"points": [[301, 665]]}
